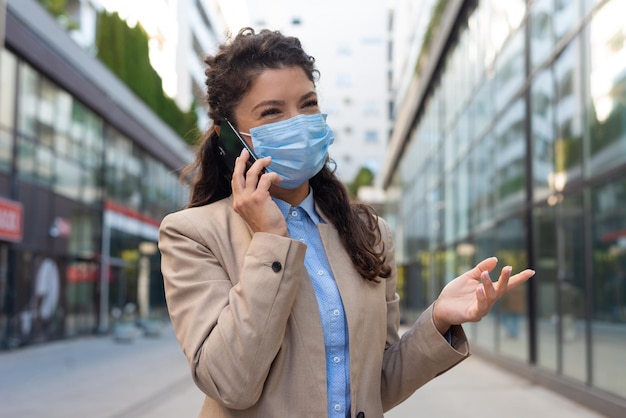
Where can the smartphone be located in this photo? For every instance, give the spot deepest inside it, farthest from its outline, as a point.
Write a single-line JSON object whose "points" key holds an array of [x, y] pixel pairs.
{"points": [[232, 143]]}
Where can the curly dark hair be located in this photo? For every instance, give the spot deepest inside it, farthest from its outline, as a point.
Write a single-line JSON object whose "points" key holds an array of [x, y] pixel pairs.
{"points": [[230, 74]]}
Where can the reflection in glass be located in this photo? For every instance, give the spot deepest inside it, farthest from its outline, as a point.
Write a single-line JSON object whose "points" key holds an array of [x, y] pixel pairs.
{"points": [[568, 112], [482, 107], [607, 85], [510, 251], [6, 148], [542, 123], [609, 285], [541, 31], [545, 277], [509, 79], [28, 86], [45, 165], [468, 152], [510, 165], [7, 92], [26, 154], [123, 170], [484, 331], [571, 285], [67, 182], [62, 144], [567, 14]]}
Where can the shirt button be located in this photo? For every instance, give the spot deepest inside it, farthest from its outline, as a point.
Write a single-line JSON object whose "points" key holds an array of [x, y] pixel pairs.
{"points": [[301, 240], [294, 213], [276, 266], [337, 407], [320, 272], [336, 312], [336, 359]]}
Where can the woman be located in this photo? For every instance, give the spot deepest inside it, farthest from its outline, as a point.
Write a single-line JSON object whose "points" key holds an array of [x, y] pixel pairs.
{"points": [[282, 292]]}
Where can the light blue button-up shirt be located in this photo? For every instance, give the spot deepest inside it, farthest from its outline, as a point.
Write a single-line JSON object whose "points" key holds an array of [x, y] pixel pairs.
{"points": [[302, 224]]}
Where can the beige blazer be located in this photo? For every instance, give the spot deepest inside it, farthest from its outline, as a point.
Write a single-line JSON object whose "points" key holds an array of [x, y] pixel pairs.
{"points": [[245, 314]]}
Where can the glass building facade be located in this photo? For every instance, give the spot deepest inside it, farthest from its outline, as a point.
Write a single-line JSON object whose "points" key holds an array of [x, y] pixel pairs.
{"points": [[80, 192], [518, 149]]}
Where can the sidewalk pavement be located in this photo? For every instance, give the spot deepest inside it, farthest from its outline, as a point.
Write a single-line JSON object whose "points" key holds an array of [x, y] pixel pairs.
{"points": [[149, 377]]}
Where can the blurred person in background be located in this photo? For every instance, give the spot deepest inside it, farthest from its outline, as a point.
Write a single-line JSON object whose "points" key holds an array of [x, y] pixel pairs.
{"points": [[281, 290]]}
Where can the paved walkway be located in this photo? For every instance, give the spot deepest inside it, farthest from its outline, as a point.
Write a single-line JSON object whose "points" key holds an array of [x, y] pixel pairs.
{"points": [[148, 378]]}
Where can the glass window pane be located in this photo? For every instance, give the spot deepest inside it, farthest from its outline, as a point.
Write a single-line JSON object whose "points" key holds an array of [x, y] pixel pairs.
{"points": [[609, 284], [569, 113], [47, 112], [571, 284], [505, 18], [510, 251], [26, 158], [7, 92], [482, 104], [93, 141], [567, 15], [77, 129], [482, 174], [607, 87], [545, 277], [448, 208], [542, 117], [485, 329], [62, 142], [508, 78], [6, 148], [91, 187], [541, 31], [27, 124], [510, 165], [45, 165], [67, 181], [124, 169]]}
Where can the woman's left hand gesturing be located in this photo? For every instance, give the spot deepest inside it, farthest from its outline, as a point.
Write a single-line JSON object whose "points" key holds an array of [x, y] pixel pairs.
{"points": [[469, 297]]}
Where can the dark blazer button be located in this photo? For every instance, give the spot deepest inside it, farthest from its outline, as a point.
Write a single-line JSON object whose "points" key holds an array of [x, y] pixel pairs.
{"points": [[276, 266], [360, 415]]}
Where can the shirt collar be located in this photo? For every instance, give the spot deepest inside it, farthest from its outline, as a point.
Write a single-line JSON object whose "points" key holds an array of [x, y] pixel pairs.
{"points": [[308, 204]]}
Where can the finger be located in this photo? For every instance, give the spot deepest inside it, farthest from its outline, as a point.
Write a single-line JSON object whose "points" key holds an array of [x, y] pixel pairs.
{"points": [[487, 264], [256, 169], [488, 288], [238, 182], [268, 179], [520, 278], [503, 280], [482, 304]]}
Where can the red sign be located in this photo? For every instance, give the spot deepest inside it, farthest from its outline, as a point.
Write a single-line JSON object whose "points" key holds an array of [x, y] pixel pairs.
{"points": [[11, 221]]}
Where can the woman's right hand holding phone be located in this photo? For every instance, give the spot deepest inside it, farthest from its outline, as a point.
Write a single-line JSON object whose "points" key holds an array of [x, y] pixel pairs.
{"points": [[251, 196]]}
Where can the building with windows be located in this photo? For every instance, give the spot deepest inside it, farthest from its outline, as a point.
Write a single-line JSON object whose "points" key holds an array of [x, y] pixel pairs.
{"points": [[87, 171], [512, 143], [181, 33], [353, 58]]}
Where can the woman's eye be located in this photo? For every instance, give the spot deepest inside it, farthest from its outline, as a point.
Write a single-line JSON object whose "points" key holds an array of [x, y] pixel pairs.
{"points": [[310, 103], [270, 111]]}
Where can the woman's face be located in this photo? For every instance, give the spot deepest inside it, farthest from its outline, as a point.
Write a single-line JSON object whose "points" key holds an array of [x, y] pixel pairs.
{"points": [[276, 94]]}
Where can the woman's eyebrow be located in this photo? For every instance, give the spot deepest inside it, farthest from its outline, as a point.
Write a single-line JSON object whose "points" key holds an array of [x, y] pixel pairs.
{"points": [[308, 95], [268, 103]]}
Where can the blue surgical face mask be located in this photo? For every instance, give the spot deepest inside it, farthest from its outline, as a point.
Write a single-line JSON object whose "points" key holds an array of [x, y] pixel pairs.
{"points": [[298, 147]]}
